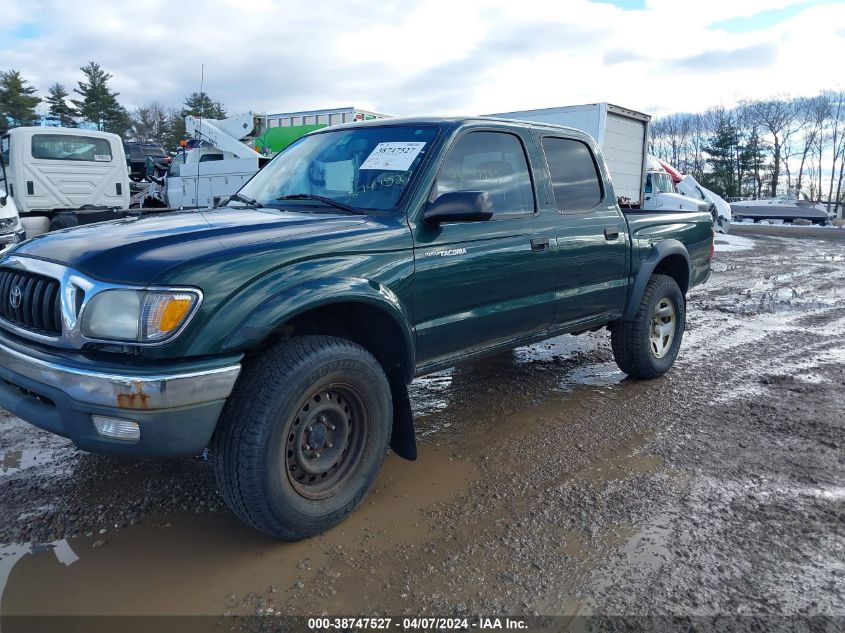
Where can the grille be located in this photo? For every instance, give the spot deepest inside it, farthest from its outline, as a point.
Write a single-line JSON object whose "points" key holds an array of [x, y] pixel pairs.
{"points": [[39, 307]]}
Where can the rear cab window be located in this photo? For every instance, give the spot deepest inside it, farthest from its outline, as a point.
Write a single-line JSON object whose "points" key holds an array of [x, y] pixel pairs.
{"points": [[575, 178], [70, 147], [494, 162]]}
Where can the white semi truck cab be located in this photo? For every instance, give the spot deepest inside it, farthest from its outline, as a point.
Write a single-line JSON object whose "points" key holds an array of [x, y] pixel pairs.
{"points": [[659, 192], [60, 177]]}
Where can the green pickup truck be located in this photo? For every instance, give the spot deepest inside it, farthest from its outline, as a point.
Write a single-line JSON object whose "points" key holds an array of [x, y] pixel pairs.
{"points": [[282, 330]]}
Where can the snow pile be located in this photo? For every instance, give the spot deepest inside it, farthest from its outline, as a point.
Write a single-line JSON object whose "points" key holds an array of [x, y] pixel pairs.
{"points": [[732, 243]]}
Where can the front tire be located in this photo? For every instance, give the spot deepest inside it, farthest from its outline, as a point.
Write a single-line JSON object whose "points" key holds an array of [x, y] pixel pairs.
{"points": [[302, 439], [647, 345]]}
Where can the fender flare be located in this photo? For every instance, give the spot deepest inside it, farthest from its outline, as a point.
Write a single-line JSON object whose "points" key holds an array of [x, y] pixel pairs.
{"points": [[660, 251], [293, 301], [297, 300]]}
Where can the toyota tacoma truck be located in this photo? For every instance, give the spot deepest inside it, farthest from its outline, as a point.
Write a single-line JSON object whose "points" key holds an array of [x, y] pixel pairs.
{"points": [[282, 329]]}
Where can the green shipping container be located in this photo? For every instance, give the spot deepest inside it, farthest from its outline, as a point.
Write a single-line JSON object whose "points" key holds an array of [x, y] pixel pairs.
{"points": [[275, 139]]}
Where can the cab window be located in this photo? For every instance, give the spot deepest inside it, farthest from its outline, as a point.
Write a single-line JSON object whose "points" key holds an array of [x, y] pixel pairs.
{"points": [[494, 162], [575, 177], [70, 147]]}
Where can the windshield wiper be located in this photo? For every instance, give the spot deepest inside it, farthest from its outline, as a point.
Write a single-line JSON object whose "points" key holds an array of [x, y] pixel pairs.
{"points": [[324, 200], [246, 200]]}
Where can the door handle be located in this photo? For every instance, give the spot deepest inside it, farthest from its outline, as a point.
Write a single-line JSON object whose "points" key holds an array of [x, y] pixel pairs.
{"points": [[539, 244], [611, 234]]}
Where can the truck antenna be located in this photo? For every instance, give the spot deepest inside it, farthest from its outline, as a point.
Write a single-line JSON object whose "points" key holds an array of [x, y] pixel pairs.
{"points": [[199, 133]]}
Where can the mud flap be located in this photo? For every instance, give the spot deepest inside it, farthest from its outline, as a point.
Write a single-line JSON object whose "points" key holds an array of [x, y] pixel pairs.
{"points": [[403, 439]]}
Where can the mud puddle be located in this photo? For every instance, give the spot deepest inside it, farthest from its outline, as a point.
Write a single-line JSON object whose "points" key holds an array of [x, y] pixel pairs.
{"points": [[219, 565]]}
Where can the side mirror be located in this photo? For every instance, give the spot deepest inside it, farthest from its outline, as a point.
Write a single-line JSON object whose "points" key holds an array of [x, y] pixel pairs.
{"points": [[459, 206]]}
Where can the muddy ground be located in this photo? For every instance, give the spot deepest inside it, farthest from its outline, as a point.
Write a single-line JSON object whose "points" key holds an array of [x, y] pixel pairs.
{"points": [[547, 483]]}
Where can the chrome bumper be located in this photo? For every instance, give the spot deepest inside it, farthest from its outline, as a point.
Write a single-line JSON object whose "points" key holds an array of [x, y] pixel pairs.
{"points": [[125, 391]]}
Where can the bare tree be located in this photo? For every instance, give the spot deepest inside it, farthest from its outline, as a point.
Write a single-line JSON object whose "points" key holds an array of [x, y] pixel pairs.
{"points": [[837, 138], [777, 118], [150, 122], [812, 114]]}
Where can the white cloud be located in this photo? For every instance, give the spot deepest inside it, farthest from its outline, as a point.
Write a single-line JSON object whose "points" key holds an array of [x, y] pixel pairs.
{"points": [[428, 57]]}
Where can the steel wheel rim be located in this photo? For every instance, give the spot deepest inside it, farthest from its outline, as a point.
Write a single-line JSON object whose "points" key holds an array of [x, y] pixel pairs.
{"points": [[325, 441], [662, 332]]}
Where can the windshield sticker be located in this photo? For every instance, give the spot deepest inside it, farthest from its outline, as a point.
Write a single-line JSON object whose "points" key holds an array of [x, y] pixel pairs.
{"points": [[393, 156], [102, 157]]}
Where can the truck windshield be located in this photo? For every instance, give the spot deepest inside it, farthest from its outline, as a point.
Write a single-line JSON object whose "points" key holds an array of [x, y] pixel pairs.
{"points": [[657, 182], [367, 168]]}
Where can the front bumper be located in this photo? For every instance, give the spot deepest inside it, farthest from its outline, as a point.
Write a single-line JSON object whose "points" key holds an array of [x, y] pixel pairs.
{"points": [[8, 240], [176, 411]]}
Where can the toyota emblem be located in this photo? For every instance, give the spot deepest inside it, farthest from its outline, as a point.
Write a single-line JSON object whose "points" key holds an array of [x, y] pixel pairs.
{"points": [[15, 297]]}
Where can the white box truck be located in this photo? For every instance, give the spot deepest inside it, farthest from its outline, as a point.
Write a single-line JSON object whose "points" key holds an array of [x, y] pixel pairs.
{"points": [[60, 177], [622, 134]]}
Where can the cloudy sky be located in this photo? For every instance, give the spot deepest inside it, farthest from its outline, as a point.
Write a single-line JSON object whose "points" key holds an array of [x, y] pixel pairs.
{"points": [[434, 57]]}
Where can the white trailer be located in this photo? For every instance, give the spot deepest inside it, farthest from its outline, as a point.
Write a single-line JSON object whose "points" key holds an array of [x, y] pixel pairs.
{"points": [[622, 135], [328, 116], [59, 177]]}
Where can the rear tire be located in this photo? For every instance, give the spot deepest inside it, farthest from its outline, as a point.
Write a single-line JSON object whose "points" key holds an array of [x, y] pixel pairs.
{"points": [[647, 345], [302, 439], [63, 221]]}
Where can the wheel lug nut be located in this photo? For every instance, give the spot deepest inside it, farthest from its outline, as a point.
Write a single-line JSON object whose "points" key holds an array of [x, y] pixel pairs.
{"points": [[316, 455], [331, 427], [329, 445], [309, 428], [307, 447]]}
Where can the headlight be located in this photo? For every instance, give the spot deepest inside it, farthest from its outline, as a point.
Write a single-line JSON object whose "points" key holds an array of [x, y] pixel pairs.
{"points": [[137, 315]]}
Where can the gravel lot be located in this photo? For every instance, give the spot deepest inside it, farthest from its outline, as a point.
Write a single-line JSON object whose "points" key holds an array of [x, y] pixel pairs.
{"points": [[547, 483]]}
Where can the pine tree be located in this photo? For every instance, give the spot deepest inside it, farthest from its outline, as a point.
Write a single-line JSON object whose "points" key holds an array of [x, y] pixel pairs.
{"points": [[59, 107], [753, 159], [722, 150], [17, 101], [175, 130], [99, 105], [200, 104]]}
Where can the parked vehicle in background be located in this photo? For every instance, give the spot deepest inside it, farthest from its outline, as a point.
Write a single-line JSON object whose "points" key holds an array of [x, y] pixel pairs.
{"points": [[208, 172], [785, 208], [282, 329], [223, 154], [279, 130], [137, 155], [622, 134], [11, 231], [689, 186], [60, 177]]}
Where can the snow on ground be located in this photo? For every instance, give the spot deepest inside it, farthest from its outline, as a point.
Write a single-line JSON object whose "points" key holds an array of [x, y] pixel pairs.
{"points": [[732, 243], [785, 225]]}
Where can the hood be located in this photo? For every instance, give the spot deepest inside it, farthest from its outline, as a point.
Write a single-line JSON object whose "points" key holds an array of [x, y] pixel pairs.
{"points": [[137, 250]]}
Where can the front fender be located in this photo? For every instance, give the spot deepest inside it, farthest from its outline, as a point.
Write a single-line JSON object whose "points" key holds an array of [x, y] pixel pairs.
{"points": [[659, 252], [296, 300]]}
